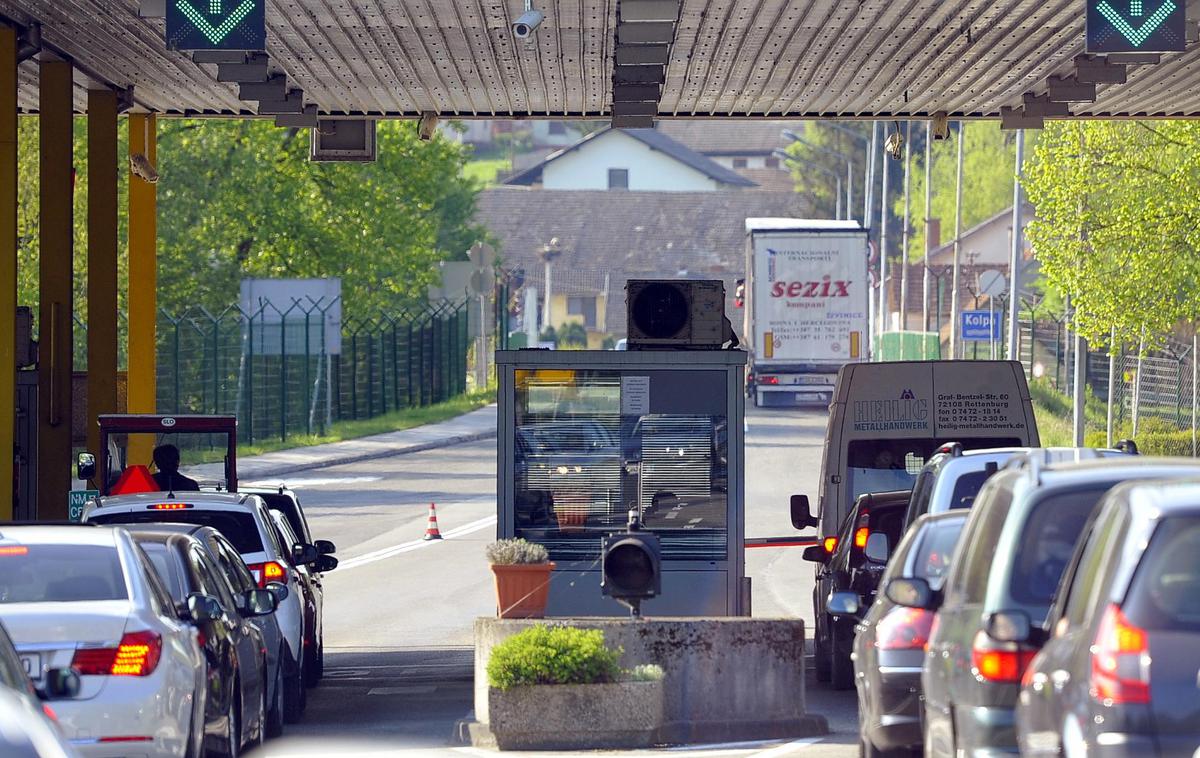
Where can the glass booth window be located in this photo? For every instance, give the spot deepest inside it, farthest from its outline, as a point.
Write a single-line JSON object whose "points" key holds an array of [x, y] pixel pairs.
{"points": [[580, 465]]}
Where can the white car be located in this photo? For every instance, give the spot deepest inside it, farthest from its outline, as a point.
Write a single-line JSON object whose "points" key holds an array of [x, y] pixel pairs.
{"points": [[244, 520], [88, 598]]}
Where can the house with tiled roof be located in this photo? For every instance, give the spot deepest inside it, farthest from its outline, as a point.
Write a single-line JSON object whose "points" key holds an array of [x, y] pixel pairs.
{"points": [[606, 238], [630, 159]]}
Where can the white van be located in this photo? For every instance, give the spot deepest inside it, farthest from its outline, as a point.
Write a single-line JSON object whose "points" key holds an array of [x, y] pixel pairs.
{"points": [[887, 419]]}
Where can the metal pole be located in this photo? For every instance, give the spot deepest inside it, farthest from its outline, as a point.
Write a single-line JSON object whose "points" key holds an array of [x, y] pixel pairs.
{"points": [[849, 189], [1195, 376], [837, 212], [1080, 383], [1018, 249], [1112, 384], [546, 308], [954, 336], [870, 191], [883, 216], [928, 227], [1137, 383], [904, 243]]}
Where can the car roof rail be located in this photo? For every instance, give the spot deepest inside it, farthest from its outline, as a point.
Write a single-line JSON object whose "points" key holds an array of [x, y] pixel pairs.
{"points": [[1127, 446]]}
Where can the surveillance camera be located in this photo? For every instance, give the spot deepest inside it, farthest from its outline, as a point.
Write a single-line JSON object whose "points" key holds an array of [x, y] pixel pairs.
{"points": [[525, 25], [427, 125], [939, 126]]}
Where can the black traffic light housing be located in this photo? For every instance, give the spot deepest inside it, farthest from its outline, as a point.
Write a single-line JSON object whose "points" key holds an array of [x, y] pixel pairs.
{"points": [[631, 565]]}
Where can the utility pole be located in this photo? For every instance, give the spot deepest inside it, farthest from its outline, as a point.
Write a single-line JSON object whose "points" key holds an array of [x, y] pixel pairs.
{"points": [[928, 232], [1018, 250], [870, 189], [883, 216], [904, 242], [954, 312]]}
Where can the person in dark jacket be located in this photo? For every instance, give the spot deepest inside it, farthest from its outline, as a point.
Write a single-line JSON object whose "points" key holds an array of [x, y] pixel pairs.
{"points": [[166, 459]]}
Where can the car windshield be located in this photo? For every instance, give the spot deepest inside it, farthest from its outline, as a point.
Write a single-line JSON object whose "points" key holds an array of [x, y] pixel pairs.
{"points": [[1047, 542], [238, 527], [60, 574], [933, 554], [1165, 595]]}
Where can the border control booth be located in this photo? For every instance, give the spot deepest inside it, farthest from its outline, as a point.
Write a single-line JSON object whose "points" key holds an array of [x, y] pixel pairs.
{"points": [[586, 436]]}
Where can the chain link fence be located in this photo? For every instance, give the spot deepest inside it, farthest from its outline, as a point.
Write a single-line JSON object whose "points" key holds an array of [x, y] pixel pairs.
{"points": [[298, 370]]}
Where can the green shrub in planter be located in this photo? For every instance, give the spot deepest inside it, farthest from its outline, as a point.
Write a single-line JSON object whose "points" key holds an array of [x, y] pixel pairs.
{"points": [[553, 655], [516, 552]]}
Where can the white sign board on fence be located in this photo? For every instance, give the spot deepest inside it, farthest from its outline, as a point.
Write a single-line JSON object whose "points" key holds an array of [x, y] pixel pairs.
{"points": [[280, 312]]}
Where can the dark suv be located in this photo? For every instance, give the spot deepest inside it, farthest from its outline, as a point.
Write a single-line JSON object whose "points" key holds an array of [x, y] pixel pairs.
{"points": [[1019, 536], [1118, 675], [851, 562]]}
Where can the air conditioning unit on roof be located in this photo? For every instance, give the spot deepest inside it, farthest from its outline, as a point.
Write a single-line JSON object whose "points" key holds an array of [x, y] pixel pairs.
{"points": [[665, 313]]}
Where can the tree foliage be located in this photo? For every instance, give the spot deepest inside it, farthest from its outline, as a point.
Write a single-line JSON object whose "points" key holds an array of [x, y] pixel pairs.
{"points": [[1118, 224]]}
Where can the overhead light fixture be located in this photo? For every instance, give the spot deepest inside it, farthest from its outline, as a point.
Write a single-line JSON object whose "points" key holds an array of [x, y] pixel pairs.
{"points": [[139, 165], [427, 126], [894, 144]]}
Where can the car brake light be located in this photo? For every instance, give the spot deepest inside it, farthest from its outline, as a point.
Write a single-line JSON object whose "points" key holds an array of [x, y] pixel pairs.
{"points": [[904, 629], [50, 714], [136, 655], [1120, 660], [268, 572], [14, 550], [999, 662], [860, 537], [169, 506], [830, 544], [769, 380]]}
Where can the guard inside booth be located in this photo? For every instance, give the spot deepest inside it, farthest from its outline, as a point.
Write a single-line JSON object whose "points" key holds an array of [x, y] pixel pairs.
{"points": [[641, 431]]}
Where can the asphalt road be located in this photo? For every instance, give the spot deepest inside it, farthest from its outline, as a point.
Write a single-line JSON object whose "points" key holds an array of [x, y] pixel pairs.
{"points": [[399, 610]]}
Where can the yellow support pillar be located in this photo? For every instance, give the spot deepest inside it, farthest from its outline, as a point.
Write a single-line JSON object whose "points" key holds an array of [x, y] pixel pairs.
{"points": [[8, 264], [102, 260], [143, 283], [56, 276]]}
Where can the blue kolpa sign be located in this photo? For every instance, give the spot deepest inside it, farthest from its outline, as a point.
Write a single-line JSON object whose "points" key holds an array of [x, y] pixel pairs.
{"points": [[980, 326]]}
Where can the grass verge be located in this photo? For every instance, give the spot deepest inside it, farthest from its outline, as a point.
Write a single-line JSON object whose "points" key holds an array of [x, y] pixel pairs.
{"points": [[484, 171]]}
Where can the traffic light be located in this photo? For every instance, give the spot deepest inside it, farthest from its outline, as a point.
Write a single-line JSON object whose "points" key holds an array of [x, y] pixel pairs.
{"points": [[631, 566]]}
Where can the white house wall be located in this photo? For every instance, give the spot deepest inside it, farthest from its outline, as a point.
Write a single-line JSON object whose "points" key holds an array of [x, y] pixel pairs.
{"points": [[649, 170]]}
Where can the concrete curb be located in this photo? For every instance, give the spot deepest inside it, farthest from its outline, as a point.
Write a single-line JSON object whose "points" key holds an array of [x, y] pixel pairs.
{"points": [[374, 455]]}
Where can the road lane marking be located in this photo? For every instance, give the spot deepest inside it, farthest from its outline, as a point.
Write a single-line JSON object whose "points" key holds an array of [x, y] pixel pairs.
{"points": [[786, 749], [315, 481], [408, 547]]}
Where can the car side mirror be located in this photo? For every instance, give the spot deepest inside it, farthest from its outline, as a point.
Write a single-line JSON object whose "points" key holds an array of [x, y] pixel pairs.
{"points": [[279, 590], [59, 683], [325, 563], [1013, 626], [877, 548], [816, 554], [202, 608], [802, 517], [259, 602], [913, 593], [325, 547], [85, 466], [302, 555], [842, 604]]}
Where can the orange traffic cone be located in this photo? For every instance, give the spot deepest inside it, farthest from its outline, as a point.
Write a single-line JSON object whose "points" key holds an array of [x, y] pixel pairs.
{"points": [[431, 531]]}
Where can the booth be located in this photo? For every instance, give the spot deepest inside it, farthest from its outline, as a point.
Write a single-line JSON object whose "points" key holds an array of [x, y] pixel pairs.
{"points": [[586, 436]]}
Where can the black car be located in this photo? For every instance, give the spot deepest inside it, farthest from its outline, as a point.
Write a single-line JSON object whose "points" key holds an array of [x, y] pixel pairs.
{"points": [[1019, 536], [1118, 676], [889, 648], [227, 558], [236, 706], [876, 521], [287, 503]]}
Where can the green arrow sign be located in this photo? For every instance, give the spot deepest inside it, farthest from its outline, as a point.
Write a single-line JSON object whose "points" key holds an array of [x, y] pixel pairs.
{"points": [[1110, 30], [216, 24]]}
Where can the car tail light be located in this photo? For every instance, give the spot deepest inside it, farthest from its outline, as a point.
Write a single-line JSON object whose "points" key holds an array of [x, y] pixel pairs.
{"points": [[999, 662], [768, 380], [169, 506], [904, 629], [14, 550], [268, 572], [1120, 660], [860, 537], [830, 544], [136, 655]]}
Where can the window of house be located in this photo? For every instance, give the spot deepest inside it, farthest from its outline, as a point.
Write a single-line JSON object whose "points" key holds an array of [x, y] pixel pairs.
{"points": [[618, 178], [583, 306], [771, 162], [739, 162]]}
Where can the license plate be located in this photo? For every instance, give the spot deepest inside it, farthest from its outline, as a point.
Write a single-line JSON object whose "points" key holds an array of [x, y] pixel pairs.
{"points": [[33, 665]]}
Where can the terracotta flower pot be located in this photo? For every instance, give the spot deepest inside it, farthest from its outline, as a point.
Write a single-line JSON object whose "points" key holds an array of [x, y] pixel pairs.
{"points": [[522, 590]]}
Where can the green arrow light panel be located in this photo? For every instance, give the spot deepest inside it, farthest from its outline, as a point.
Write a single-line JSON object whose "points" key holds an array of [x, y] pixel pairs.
{"points": [[216, 25], [1135, 26]]}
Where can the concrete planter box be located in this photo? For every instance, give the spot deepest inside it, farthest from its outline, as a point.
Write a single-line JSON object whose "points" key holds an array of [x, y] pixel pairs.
{"points": [[619, 715]]}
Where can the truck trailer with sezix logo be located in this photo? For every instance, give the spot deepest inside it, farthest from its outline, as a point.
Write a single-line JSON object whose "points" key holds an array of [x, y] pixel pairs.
{"points": [[805, 307]]}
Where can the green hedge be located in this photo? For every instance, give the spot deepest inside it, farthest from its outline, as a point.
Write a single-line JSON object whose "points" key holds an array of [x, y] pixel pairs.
{"points": [[553, 655], [1151, 443]]}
